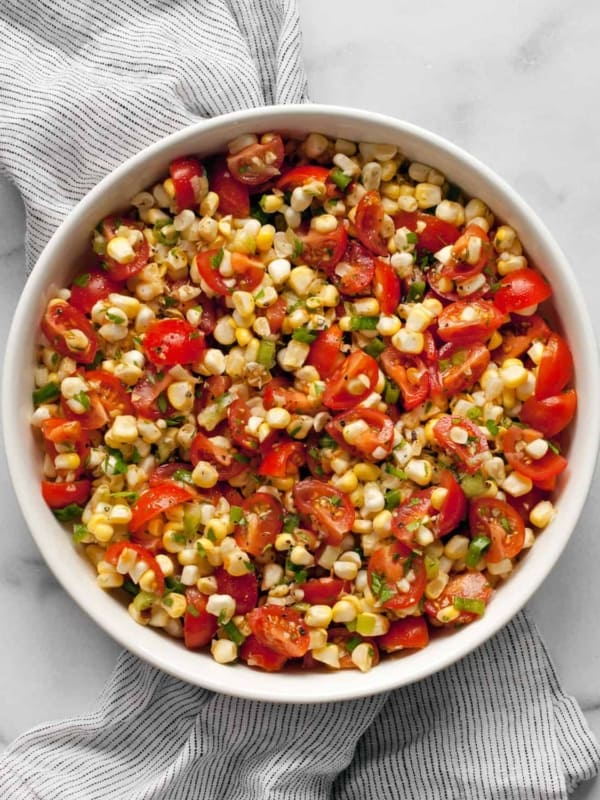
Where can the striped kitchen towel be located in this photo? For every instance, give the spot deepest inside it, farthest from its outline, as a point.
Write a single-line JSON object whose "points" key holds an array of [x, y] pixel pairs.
{"points": [[83, 85]]}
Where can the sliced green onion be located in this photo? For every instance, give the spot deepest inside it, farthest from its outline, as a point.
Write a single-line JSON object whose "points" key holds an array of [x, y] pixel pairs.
{"points": [[115, 461], [174, 585], [48, 392], [143, 600], [476, 550], [304, 335], [492, 427], [392, 392], [236, 514], [375, 347], [176, 421], [266, 354], [474, 413], [183, 476], [130, 587], [412, 237], [290, 523], [363, 323], [233, 632], [392, 499], [473, 485], [80, 532], [353, 643], [192, 520], [397, 473], [470, 604], [341, 180], [82, 280], [415, 291]]}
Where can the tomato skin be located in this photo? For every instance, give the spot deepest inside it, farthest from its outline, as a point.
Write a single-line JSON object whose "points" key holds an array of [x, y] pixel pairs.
{"points": [[59, 495], [275, 314], [113, 553], [355, 270], [279, 394], [168, 342], [454, 507], [325, 352], [458, 268], [108, 398], [329, 509], [322, 250], [452, 328], [122, 272], [247, 272], [301, 175], [379, 437], [555, 368], [243, 589], [281, 628], [238, 415], [263, 521], [234, 197], [185, 173], [97, 287], [523, 331], [551, 415], [386, 287], [203, 449], [472, 361], [467, 585], [256, 654], [368, 222], [389, 563], [396, 365], [244, 168], [405, 517], [410, 633], [323, 591], [165, 472], [60, 431], [200, 627], [540, 469], [336, 395], [436, 234], [469, 455], [521, 289], [145, 395], [156, 500], [282, 459], [499, 521], [61, 317]]}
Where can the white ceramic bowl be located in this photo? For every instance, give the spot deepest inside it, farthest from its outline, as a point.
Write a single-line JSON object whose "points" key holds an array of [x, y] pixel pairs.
{"points": [[57, 264]]}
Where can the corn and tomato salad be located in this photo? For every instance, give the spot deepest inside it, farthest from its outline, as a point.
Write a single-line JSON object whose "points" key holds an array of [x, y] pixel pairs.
{"points": [[300, 403]]}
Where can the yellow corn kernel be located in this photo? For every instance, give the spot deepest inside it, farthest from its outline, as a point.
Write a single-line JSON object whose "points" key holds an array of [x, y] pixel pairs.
{"points": [[456, 547], [347, 482], [318, 616], [147, 582], [173, 539], [109, 580], [205, 475], [435, 587], [68, 461], [329, 655], [495, 340], [541, 514], [448, 614], [366, 472], [100, 528], [174, 604], [382, 522]]}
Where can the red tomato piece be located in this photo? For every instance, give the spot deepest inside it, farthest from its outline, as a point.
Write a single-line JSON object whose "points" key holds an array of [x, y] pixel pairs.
{"points": [[281, 628], [468, 455], [108, 399], [555, 369], [283, 459], [454, 507], [368, 222], [186, 173], [467, 586], [538, 469], [326, 351], [376, 442], [337, 395], [258, 162], [460, 366], [470, 254], [301, 175], [499, 521], [518, 337], [227, 461], [328, 509], [275, 314], [386, 287], [409, 373], [59, 495], [158, 499], [238, 415], [355, 270], [526, 502], [90, 287], [408, 518], [199, 626], [122, 272], [324, 591], [262, 522], [243, 589], [437, 282], [256, 654], [113, 553], [482, 319], [435, 234], [389, 566], [410, 633], [165, 472], [342, 637], [247, 272], [279, 394], [234, 197], [551, 415], [58, 324], [59, 431], [145, 395], [521, 289], [322, 250], [173, 341]]}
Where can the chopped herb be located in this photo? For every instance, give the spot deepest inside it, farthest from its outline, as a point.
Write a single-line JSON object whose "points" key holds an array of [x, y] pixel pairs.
{"points": [[169, 302], [393, 499], [335, 501], [414, 526], [290, 523], [210, 535], [222, 618], [216, 260], [474, 413], [266, 354], [116, 318], [130, 587], [115, 461], [327, 443], [249, 566], [416, 290], [298, 248], [391, 394], [412, 237], [200, 549], [470, 604], [492, 427], [505, 523], [458, 358], [236, 515], [408, 563], [353, 643], [183, 476], [224, 400], [174, 585], [295, 430], [375, 347], [380, 588], [233, 632], [129, 497], [51, 391], [170, 238], [477, 548], [301, 576], [241, 458], [179, 538], [363, 323], [82, 280], [304, 335], [453, 193], [162, 403], [414, 501], [427, 260], [554, 447], [84, 400], [444, 364], [136, 456], [256, 211], [79, 533], [192, 610], [68, 513], [175, 421], [98, 359], [341, 180]]}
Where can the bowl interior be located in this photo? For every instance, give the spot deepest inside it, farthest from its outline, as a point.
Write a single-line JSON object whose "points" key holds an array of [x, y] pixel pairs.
{"points": [[57, 264]]}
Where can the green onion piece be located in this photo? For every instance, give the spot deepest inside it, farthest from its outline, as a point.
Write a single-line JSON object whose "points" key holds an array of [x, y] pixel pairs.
{"points": [[470, 604], [68, 513], [192, 520], [341, 180], [415, 291], [115, 461], [192, 611], [473, 485], [327, 442], [176, 421], [353, 643], [474, 413], [48, 392], [143, 600], [397, 473], [80, 532], [257, 212], [82, 280], [392, 499], [174, 585], [392, 392], [363, 323], [236, 514], [492, 427], [290, 523], [233, 632], [304, 335], [266, 354], [375, 347], [412, 237], [476, 549], [130, 587], [183, 476]]}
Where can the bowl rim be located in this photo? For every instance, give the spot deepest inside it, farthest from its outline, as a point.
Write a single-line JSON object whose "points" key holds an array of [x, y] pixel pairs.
{"points": [[373, 682]]}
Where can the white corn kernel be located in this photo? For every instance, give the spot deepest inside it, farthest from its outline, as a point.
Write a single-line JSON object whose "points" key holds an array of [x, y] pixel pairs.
{"points": [[517, 485], [537, 448], [329, 655], [124, 429], [541, 514], [119, 249], [318, 616], [346, 570], [362, 656], [301, 557], [221, 605], [419, 471], [410, 342], [300, 279], [279, 269], [224, 331], [278, 418], [500, 567], [343, 611], [427, 195], [224, 651]]}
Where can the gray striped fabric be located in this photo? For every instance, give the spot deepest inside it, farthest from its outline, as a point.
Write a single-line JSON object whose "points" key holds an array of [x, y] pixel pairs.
{"points": [[83, 85]]}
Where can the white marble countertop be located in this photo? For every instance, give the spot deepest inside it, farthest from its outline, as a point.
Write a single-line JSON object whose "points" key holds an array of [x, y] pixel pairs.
{"points": [[513, 83]]}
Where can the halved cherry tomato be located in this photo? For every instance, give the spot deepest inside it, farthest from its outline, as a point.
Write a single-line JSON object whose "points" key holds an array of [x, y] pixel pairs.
{"points": [[409, 373], [343, 638], [282, 459], [389, 565], [199, 626], [59, 495], [113, 553], [354, 272], [499, 521], [408, 517], [514, 442], [247, 272], [59, 321], [323, 591], [326, 351], [281, 628], [467, 586], [122, 272], [299, 176], [469, 455], [275, 314], [518, 336], [454, 507], [108, 399], [186, 173], [465, 262], [337, 395], [59, 431], [329, 510], [173, 341], [158, 499], [526, 502], [376, 442], [262, 521], [437, 282], [279, 394], [234, 197], [226, 461], [322, 250], [368, 222], [468, 322], [410, 633], [434, 234], [386, 287], [257, 654], [521, 289], [551, 415], [90, 287], [165, 472], [243, 589], [256, 163], [146, 392], [555, 369], [461, 366], [238, 415]]}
